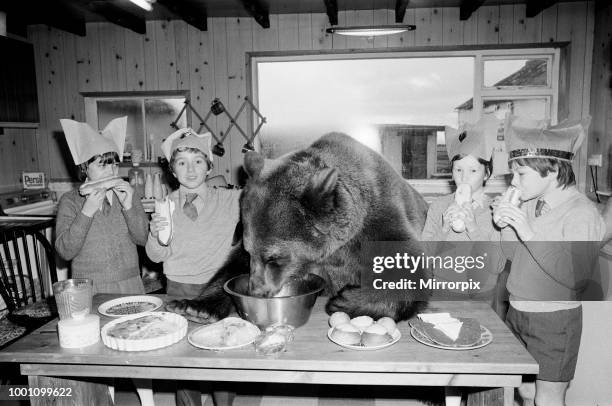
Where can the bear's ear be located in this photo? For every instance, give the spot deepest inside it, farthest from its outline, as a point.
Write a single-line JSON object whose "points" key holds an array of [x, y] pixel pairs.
{"points": [[319, 192], [253, 164]]}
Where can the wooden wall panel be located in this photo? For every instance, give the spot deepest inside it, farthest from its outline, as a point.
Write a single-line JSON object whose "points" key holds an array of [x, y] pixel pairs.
{"points": [[173, 55], [600, 132]]}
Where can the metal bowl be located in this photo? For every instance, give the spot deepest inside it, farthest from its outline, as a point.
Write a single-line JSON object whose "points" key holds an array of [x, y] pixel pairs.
{"points": [[293, 308]]}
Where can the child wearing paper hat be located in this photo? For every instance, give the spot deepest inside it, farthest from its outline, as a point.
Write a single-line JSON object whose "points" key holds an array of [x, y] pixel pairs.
{"points": [[470, 157], [546, 277], [203, 221], [99, 231]]}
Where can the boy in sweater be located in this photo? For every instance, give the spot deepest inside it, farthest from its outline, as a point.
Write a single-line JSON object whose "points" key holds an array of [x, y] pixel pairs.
{"points": [[546, 278], [203, 221], [99, 232]]}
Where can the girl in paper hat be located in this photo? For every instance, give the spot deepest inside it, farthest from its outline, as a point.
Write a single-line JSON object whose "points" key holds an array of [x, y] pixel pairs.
{"points": [[465, 215], [100, 224]]}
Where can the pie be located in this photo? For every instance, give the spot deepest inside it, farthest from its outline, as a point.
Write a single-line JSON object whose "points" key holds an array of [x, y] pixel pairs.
{"points": [[122, 309], [149, 326]]}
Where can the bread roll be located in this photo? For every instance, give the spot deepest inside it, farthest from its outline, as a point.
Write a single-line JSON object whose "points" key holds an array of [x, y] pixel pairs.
{"points": [[346, 334], [339, 318], [362, 322], [104, 183], [375, 335], [388, 323]]}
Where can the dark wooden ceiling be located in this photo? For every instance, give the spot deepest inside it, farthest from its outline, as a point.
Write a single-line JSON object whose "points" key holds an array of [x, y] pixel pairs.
{"points": [[71, 15]]}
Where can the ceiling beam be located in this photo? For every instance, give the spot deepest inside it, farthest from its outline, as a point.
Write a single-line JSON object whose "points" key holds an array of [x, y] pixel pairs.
{"points": [[257, 11], [117, 15], [191, 15], [400, 10], [468, 7], [535, 7], [331, 6], [56, 14]]}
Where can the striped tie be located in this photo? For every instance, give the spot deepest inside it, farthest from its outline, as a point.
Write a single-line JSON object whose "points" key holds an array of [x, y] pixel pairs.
{"points": [[541, 208]]}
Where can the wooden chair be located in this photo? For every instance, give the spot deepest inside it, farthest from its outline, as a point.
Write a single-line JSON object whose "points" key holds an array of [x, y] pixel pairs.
{"points": [[25, 258]]}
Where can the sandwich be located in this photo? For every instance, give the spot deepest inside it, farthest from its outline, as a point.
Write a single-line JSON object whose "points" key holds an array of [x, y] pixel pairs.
{"points": [[105, 183], [468, 336], [165, 208]]}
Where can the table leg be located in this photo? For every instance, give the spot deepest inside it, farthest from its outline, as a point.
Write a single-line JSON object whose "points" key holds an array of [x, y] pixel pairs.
{"points": [[488, 397], [82, 392]]}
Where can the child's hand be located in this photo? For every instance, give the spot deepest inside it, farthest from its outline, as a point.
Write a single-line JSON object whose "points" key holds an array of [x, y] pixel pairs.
{"points": [[469, 218], [516, 218], [125, 193], [157, 223], [452, 213], [93, 202]]}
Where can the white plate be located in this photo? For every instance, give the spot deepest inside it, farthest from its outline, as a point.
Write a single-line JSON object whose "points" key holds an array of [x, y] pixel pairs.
{"points": [[486, 337], [145, 344], [395, 336], [153, 303], [198, 339]]}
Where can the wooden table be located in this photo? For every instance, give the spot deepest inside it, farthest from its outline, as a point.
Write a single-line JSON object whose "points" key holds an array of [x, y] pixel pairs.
{"points": [[311, 358]]}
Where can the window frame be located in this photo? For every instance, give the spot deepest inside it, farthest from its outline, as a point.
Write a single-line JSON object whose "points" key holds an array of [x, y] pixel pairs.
{"points": [[551, 52], [91, 108]]}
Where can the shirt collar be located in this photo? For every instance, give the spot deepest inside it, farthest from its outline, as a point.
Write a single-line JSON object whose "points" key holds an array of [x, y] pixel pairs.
{"points": [[201, 192]]}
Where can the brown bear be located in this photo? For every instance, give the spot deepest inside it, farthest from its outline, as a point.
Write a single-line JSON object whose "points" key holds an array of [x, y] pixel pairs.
{"points": [[311, 211]]}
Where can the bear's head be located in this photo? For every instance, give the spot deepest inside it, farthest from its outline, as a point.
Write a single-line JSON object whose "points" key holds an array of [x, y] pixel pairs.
{"points": [[295, 213]]}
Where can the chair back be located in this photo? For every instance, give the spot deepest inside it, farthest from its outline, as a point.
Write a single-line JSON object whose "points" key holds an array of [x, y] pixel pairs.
{"points": [[27, 261]]}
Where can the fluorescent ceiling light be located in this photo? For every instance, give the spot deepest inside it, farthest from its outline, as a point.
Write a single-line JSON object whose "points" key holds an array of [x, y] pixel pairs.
{"points": [[146, 4], [371, 31]]}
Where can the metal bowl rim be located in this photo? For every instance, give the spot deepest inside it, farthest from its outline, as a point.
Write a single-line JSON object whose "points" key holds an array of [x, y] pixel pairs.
{"points": [[234, 293]]}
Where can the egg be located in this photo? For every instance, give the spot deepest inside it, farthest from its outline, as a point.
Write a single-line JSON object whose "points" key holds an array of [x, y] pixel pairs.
{"points": [[338, 318], [388, 323], [362, 322], [375, 335], [346, 334]]}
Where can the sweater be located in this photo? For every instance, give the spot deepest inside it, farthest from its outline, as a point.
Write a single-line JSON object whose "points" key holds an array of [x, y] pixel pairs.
{"points": [[198, 248], [547, 271], [102, 247]]}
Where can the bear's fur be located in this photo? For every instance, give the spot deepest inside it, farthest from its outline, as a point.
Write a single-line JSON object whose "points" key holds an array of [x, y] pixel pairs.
{"points": [[310, 212]]}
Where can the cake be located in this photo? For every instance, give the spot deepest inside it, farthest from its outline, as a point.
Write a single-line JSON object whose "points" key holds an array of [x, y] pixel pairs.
{"points": [[375, 335], [338, 318], [346, 334]]}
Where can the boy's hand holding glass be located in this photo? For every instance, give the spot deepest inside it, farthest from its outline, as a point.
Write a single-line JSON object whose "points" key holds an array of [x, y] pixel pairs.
{"points": [[516, 218], [93, 202], [125, 193], [157, 223], [469, 219]]}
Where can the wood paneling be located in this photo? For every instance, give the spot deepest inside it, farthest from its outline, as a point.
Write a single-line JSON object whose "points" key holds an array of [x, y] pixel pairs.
{"points": [[600, 133], [211, 64]]}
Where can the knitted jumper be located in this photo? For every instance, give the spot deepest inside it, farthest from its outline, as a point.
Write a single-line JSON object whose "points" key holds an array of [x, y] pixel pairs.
{"points": [[102, 247], [198, 248]]}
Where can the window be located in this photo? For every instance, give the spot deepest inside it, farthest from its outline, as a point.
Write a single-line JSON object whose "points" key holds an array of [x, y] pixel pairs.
{"points": [[399, 103], [149, 116]]}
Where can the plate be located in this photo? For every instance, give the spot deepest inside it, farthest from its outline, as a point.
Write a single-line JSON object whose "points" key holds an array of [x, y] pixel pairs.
{"points": [[208, 337], [130, 305], [178, 331], [486, 337], [395, 336]]}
